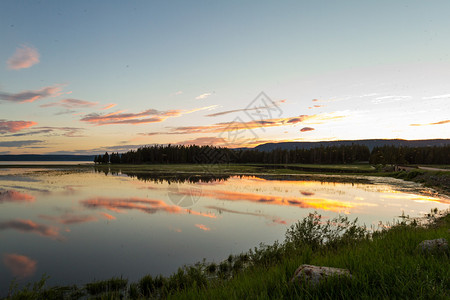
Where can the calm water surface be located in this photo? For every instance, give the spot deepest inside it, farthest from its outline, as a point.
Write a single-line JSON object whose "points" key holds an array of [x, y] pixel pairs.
{"points": [[79, 226]]}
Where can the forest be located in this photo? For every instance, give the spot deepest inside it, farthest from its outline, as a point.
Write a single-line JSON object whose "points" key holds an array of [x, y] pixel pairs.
{"points": [[344, 154]]}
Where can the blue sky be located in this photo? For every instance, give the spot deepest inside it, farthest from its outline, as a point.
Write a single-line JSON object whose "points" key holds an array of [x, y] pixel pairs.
{"points": [[332, 69]]}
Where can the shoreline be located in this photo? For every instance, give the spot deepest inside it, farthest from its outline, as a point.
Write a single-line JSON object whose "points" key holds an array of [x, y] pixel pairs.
{"points": [[385, 263]]}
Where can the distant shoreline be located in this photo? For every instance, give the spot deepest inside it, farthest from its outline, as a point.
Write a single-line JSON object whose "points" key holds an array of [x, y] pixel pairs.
{"points": [[46, 158]]}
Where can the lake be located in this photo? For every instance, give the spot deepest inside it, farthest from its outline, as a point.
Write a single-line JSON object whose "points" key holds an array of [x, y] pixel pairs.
{"points": [[81, 225]]}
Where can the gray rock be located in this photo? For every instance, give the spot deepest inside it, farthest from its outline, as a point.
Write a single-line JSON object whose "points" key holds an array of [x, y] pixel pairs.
{"points": [[434, 246], [315, 274]]}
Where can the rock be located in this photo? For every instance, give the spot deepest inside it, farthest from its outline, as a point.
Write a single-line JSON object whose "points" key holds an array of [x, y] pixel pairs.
{"points": [[315, 274], [434, 246]]}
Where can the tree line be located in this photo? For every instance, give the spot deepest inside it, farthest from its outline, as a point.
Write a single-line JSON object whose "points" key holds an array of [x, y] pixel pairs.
{"points": [[343, 154], [194, 154], [410, 155]]}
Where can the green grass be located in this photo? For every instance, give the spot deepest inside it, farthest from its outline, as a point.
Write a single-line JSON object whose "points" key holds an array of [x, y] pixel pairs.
{"points": [[384, 265]]}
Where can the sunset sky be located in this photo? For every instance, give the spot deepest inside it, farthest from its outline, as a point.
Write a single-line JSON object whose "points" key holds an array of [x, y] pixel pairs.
{"points": [[84, 77]]}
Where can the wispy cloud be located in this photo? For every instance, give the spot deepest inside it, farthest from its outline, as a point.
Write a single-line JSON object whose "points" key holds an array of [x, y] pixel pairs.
{"points": [[31, 227], [65, 112], [31, 96], [305, 129], [51, 131], [267, 107], [435, 123], [146, 116], [111, 105], [176, 93], [234, 126], [23, 58], [390, 99], [19, 143], [71, 103], [20, 265], [203, 96], [437, 97], [14, 126]]}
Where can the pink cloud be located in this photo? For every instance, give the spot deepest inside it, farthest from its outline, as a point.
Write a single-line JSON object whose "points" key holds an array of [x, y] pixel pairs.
{"points": [[14, 126], [23, 58], [31, 96], [20, 265]]}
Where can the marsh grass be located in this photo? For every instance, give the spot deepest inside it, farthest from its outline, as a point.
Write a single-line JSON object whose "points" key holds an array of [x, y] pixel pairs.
{"points": [[384, 264]]}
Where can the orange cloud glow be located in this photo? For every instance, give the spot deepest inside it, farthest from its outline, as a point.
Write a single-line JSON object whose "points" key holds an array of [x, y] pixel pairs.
{"points": [[20, 265], [15, 196], [435, 123], [23, 58], [14, 126]]}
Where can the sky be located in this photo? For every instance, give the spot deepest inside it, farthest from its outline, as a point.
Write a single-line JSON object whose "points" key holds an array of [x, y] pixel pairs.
{"points": [[85, 77]]}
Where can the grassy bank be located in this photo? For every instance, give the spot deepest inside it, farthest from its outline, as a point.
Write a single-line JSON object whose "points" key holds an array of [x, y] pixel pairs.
{"points": [[385, 264]]}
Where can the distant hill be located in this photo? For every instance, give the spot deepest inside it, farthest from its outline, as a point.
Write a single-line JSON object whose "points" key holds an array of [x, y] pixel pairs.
{"points": [[37, 157], [369, 143]]}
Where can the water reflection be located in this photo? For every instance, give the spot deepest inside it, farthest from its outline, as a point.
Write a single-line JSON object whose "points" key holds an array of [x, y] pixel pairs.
{"points": [[21, 266], [166, 177], [316, 203], [28, 226], [15, 196], [68, 218], [135, 223], [148, 206], [273, 219]]}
